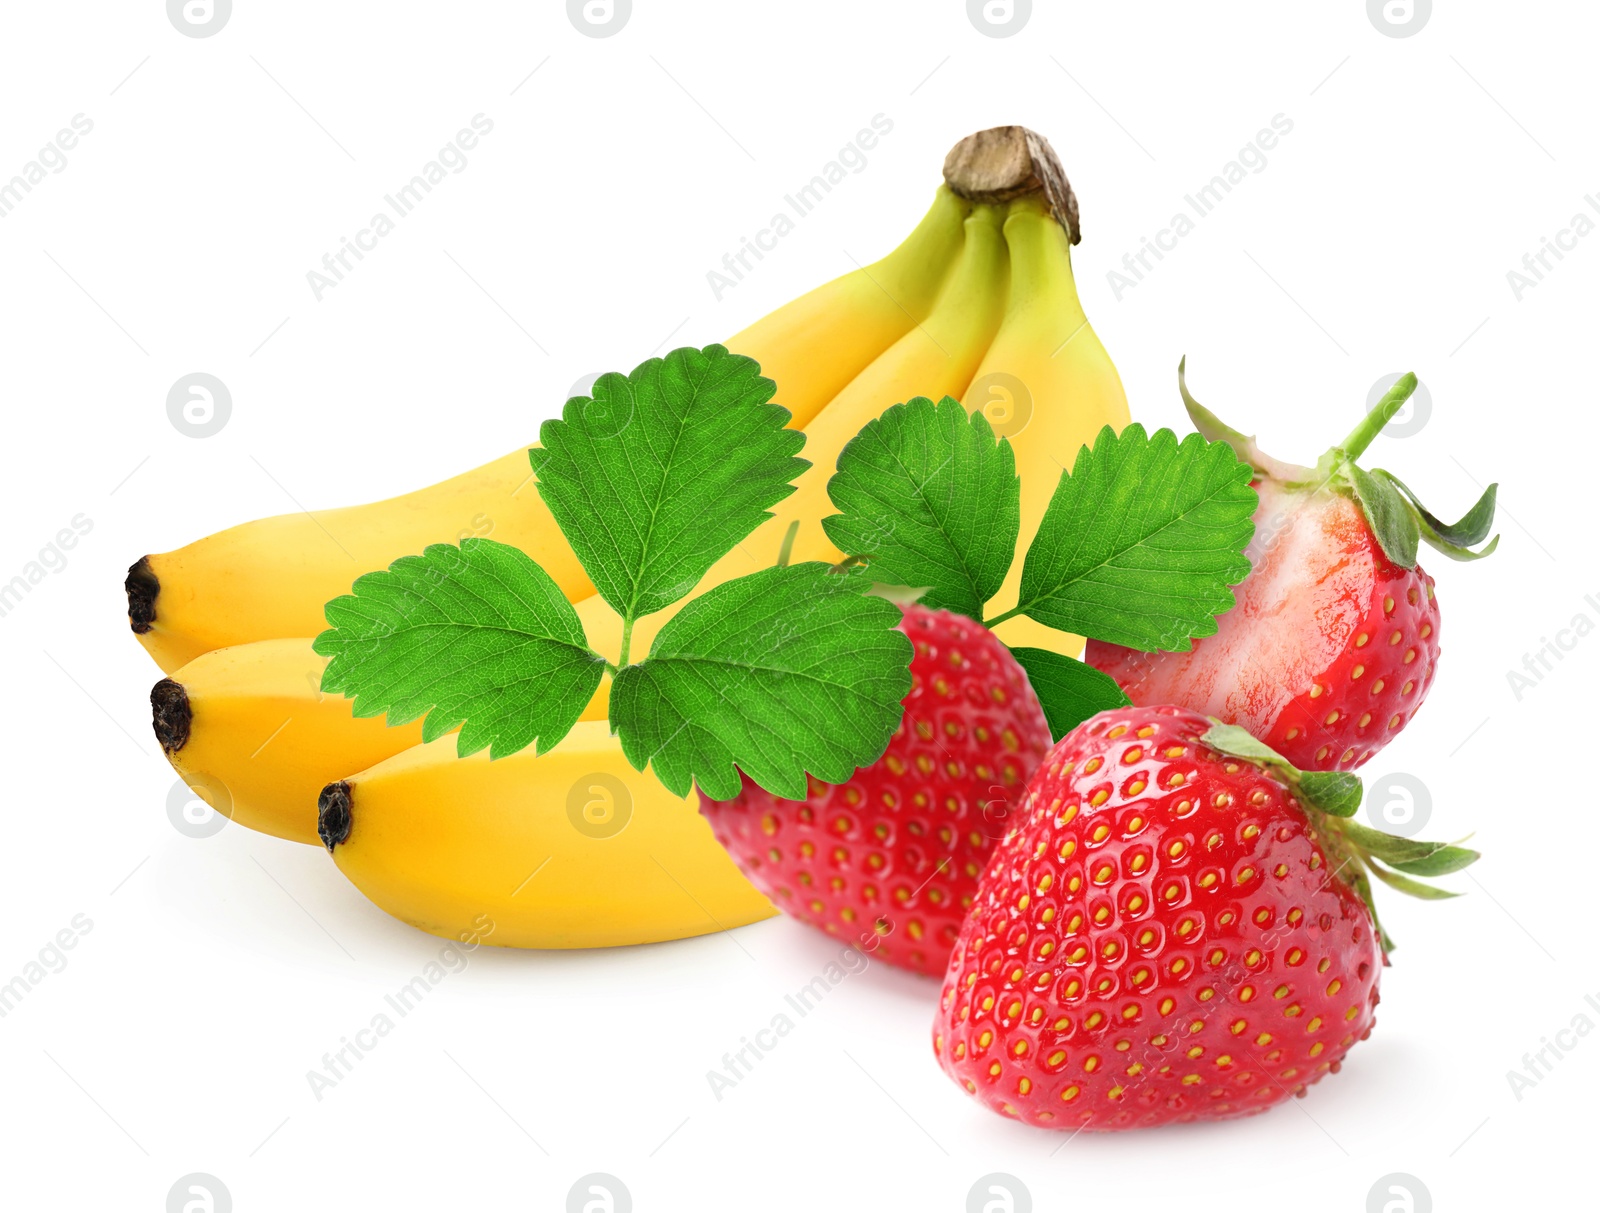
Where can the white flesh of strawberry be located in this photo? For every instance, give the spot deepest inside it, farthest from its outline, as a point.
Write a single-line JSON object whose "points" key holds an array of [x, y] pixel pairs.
{"points": [[1309, 588]]}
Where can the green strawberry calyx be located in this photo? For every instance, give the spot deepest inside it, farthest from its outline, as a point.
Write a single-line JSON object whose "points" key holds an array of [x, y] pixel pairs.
{"points": [[1330, 799], [1398, 519]]}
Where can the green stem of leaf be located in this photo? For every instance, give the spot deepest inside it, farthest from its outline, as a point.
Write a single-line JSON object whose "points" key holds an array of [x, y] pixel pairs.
{"points": [[999, 619], [786, 548], [627, 635], [1382, 413]]}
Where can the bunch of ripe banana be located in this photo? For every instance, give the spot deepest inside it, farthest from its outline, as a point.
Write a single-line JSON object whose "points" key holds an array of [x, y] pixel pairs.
{"points": [[574, 848]]}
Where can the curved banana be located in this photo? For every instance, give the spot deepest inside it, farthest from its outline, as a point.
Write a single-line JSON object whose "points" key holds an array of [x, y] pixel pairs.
{"points": [[1007, 335], [1046, 383], [813, 347], [569, 849], [248, 729], [936, 358], [270, 578]]}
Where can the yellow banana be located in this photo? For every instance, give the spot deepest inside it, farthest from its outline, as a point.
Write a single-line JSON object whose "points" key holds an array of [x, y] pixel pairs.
{"points": [[569, 849], [936, 358], [811, 348], [270, 578], [250, 730], [1046, 383]]}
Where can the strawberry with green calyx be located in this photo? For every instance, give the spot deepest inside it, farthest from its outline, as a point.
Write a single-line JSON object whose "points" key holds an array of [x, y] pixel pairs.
{"points": [[1140, 543], [1180, 928], [1334, 640]]}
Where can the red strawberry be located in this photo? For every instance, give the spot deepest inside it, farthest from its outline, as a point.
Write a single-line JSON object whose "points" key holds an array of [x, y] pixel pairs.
{"points": [[1172, 932], [1333, 640], [893, 856]]}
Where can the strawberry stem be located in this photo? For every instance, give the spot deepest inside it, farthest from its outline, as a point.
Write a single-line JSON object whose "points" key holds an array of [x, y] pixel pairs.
{"points": [[1382, 413]]}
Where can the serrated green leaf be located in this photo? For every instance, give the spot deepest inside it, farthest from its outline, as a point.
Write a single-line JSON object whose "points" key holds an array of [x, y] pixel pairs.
{"points": [[932, 499], [1069, 691], [661, 472], [1391, 518], [1412, 888], [478, 633], [782, 673], [1142, 541]]}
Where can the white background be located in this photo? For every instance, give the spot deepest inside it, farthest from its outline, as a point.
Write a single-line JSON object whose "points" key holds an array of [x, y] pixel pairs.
{"points": [[218, 971]]}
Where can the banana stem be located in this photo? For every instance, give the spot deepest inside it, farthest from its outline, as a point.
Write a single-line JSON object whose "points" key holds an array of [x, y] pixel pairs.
{"points": [[1382, 413], [1007, 162]]}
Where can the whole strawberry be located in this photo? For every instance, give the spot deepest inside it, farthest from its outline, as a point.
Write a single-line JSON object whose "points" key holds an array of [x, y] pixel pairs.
{"points": [[892, 857], [1173, 932], [1333, 640]]}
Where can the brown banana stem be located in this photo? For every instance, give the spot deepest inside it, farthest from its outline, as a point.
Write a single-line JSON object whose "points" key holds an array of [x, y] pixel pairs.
{"points": [[1006, 162]]}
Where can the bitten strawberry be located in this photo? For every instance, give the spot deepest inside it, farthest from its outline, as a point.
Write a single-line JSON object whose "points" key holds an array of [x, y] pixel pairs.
{"points": [[1333, 640], [893, 856], [1180, 928]]}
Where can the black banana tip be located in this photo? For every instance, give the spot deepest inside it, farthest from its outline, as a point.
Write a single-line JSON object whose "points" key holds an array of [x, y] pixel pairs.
{"points": [[333, 814], [143, 586], [170, 714]]}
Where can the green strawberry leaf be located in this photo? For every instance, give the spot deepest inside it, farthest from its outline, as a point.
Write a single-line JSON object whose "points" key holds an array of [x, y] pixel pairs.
{"points": [[477, 634], [1454, 551], [1142, 541], [1356, 878], [1337, 793], [1394, 524], [661, 472], [1453, 539], [929, 496], [782, 673], [1231, 739], [1412, 888], [1213, 429], [1473, 527], [1409, 855], [1069, 691]]}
